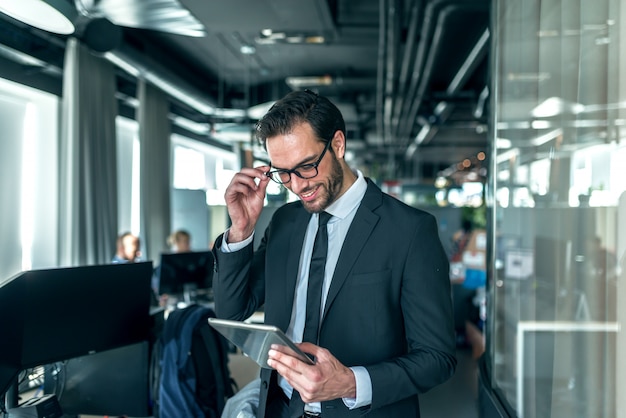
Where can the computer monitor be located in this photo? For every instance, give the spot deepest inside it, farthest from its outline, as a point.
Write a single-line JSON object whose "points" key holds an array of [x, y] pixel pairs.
{"points": [[180, 272], [58, 314], [111, 383], [10, 333]]}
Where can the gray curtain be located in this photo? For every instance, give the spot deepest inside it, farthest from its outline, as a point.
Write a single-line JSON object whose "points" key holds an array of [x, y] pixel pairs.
{"points": [[154, 137], [88, 176]]}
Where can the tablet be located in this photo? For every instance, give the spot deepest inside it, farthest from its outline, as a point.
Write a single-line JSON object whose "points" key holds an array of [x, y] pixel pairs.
{"points": [[255, 340]]}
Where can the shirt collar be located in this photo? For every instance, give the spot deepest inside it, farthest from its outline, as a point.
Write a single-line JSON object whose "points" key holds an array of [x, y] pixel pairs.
{"points": [[351, 199]]}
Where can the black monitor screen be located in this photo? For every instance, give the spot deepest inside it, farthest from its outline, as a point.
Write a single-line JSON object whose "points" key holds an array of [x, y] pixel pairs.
{"points": [[10, 333], [180, 271], [63, 313], [111, 383]]}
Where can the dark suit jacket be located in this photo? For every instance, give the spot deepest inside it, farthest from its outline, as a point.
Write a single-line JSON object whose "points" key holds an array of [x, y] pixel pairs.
{"points": [[389, 305]]}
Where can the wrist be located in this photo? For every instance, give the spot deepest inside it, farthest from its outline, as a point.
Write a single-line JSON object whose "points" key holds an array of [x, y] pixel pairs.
{"points": [[236, 235], [350, 385]]}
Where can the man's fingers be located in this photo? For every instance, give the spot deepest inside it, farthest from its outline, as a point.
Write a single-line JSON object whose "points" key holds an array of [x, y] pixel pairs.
{"points": [[285, 358], [247, 180], [259, 173]]}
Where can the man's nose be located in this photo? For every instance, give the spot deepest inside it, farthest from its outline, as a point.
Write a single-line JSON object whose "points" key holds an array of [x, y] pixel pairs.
{"points": [[297, 184]]}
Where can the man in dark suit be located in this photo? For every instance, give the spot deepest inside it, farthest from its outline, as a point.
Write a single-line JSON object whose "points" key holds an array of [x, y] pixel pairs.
{"points": [[386, 332]]}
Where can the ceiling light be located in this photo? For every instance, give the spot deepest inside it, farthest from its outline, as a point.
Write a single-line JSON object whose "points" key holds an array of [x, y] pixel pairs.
{"points": [[267, 37], [507, 156], [603, 40], [227, 113], [313, 81], [540, 124], [256, 112], [528, 77], [265, 41], [503, 143], [441, 182], [247, 49], [554, 106], [548, 33], [314, 39], [54, 16], [542, 139]]}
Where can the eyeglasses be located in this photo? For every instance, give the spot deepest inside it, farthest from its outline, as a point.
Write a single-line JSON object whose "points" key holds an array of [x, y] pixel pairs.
{"points": [[304, 171]]}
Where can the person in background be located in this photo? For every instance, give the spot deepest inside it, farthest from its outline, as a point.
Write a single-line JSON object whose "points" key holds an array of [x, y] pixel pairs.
{"points": [[386, 329], [128, 249], [179, 241], [460, 239]]}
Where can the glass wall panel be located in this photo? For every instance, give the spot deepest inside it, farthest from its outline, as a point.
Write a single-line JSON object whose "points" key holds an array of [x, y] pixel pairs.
{"points": [[559, 214]]}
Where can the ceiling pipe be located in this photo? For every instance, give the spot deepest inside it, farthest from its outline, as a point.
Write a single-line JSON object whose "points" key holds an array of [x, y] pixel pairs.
{"points": [[418, 62], [392, 51], [412, 106], [380, 73], [417, 91], [326, 16], [407, 58], [420, 69], [482, 101], [472, 61], [141, 66], [443, 109], [388, 47]]}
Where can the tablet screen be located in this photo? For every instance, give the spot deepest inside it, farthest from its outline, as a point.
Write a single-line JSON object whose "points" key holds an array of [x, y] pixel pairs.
{"points": [[255, 340]]}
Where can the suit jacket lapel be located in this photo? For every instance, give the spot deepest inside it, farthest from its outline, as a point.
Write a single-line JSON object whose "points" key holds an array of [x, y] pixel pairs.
{"points": [[362, 226]]}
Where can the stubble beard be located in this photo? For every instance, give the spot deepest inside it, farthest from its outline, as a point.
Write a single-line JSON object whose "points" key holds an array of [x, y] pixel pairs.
{"points": [[329, 190]]}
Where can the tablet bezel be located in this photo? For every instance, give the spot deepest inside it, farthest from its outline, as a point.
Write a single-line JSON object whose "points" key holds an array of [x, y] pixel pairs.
{"points": [[255, 340]]}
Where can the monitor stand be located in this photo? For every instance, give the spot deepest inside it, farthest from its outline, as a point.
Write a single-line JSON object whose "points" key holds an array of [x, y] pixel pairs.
{"points": [[189, 292], [46, 406], [12, 396]]}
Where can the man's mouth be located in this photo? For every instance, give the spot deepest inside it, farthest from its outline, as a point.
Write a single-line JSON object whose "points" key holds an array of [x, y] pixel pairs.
{"points": [[309, 194]]}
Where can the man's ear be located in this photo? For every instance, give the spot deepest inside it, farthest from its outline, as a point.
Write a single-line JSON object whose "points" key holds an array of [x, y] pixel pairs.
{"points": [[339, 144]]}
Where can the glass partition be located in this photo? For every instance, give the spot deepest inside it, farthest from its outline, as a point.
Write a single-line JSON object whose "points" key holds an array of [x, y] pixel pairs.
{"points": [[558, 207]]}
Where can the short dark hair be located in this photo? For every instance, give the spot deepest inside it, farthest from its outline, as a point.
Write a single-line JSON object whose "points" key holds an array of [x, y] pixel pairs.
{"points": [[123, 235], [177, 236], [298, 107]]}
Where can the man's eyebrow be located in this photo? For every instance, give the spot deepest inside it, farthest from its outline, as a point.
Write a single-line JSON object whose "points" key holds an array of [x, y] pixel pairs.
{"points": [[305, 161]]}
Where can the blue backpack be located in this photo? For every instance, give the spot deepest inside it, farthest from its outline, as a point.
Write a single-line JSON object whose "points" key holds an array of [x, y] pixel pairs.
{"points": [[190, 374]]}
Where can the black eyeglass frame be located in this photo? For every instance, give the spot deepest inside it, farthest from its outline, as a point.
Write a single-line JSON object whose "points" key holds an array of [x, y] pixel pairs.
{"points": [[273, 174]]}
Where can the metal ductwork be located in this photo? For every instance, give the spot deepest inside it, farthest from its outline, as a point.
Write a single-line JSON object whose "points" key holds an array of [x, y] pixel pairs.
{"points": [[443, 109], [141, 66], [435, 19]]}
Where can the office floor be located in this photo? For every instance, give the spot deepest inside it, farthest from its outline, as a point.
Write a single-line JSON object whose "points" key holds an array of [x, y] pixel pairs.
{"points": [[457, 398]]}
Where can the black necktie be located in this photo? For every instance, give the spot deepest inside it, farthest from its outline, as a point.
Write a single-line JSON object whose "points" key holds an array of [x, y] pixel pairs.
{"points": [[313, 298], [316, 279]]}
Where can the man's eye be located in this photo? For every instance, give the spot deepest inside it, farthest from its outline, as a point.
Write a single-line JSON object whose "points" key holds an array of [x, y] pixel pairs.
{"points": [[306, 167]]}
